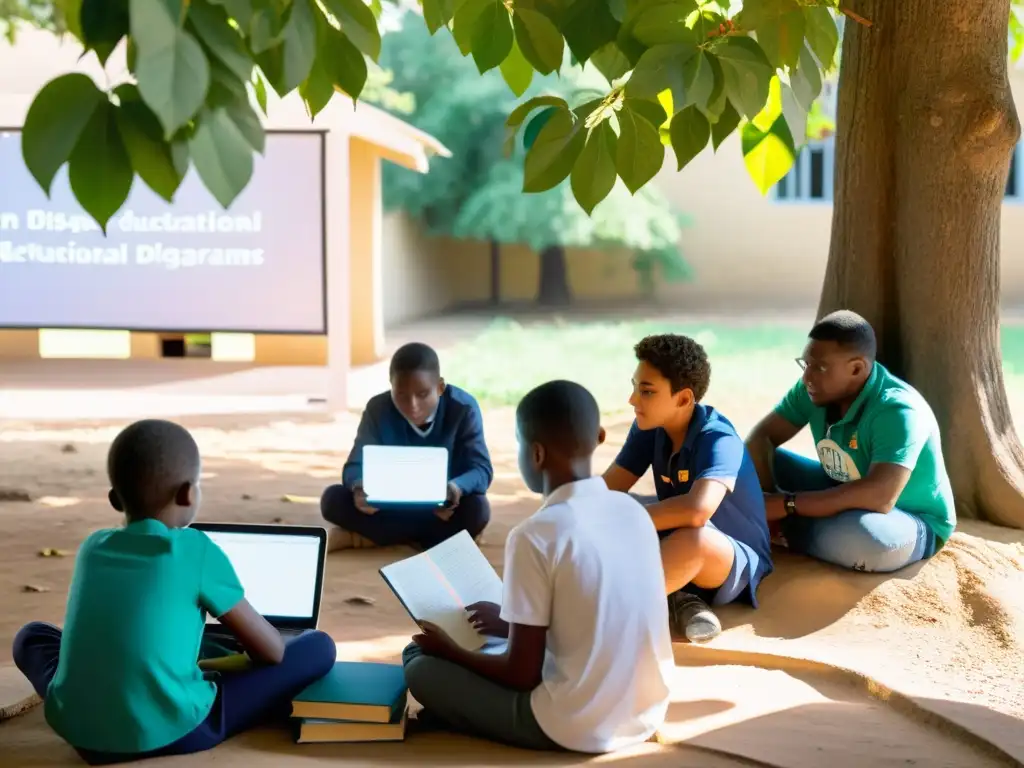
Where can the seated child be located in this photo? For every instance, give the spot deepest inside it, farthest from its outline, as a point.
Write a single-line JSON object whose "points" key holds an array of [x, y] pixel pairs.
{"points": [[419, 410], [122, 681], [709, 510], [589, 652]]}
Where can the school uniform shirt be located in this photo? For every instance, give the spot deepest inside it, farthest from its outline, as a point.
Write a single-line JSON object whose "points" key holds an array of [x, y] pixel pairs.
{"points": [[457, 425], [712, 449], [588, 567], [888, 423], [128, 678]]}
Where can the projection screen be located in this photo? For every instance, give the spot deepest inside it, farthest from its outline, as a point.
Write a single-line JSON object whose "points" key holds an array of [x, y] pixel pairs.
{"points": [[189, 265]]}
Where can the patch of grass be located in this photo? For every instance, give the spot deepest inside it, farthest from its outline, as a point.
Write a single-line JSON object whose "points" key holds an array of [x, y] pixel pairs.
{"points": [[749, 362]]}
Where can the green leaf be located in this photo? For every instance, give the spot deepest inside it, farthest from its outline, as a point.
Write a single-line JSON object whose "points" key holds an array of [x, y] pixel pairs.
{"points": [[587, 26], [652, 111], [288, 63], [554, 153], [539, 40], [239, 10], [316, 90], [727, 123], [632, 48], [492, 36], [99, 169], [532, 130], [665, 23], [757, 13], [769, 154], [102, 24], [212, 28], [464, 23], [343, 62], [517, 71], [222, 156], [611, 62], [358, 24], [55, 122], [71, 14], [748, 74], [698, 81], [593, 175], [689, 132], [173, 79], [520, 113], [806, 79], [155, 23], [439, 13], [783, 38], [639, 154], [661, 68], [149, 153], [259, 87], [717, 100], [822, 34]]}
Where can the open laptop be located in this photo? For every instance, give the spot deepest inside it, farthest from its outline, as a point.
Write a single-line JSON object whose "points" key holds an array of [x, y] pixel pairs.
{"points": [[405, 476], [281, 568]]}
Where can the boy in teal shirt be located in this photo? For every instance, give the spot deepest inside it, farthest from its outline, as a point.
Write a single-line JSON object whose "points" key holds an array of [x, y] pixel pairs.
{"points": [[122, 680], [878, 498]]}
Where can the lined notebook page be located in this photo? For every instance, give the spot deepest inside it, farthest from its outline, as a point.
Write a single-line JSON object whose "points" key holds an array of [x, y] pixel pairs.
{"points": [[438, 584]]}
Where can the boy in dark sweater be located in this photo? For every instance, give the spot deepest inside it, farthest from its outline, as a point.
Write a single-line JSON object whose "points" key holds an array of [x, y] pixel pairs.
{"points": [[419, 410]]}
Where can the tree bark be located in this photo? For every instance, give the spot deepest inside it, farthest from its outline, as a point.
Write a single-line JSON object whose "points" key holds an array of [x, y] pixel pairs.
{"points": [[926, 126], [554, 278], [495, 272]]}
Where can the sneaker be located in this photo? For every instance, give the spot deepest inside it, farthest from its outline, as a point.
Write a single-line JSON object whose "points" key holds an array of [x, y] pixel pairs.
{"points": [[690, 617]]}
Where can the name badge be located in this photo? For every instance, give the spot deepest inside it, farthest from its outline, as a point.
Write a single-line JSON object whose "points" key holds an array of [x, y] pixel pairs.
{"points": [[684, 475]]}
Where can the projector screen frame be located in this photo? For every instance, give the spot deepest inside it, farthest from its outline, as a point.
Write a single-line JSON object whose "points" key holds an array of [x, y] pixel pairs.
{"points": [[321, 134]]}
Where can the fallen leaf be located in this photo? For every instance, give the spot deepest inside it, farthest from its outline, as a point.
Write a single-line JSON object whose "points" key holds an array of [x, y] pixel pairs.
{"points": [[359, 600], [50, 552], [34, 588], [14, 494], [300, 499], [68, 448]]}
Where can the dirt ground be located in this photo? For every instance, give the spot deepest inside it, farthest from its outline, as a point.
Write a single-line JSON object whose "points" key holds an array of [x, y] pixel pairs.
{"points": [[836, 669]]}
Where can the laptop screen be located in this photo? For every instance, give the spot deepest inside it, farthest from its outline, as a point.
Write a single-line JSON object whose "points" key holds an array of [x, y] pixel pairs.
{"points": [[279, 572], [405, 474]]}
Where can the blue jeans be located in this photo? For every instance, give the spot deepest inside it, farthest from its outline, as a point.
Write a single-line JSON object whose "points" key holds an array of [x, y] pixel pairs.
{"points": [[856, 539], [393, 526], [244, 699]]}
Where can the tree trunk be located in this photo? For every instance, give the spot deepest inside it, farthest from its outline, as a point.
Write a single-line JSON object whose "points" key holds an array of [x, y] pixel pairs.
{"points": [[926, 128], [554, 278], [495, 272]]}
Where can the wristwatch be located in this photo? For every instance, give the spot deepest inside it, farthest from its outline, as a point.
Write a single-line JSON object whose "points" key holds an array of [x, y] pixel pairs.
{"points": [[790, 504]]}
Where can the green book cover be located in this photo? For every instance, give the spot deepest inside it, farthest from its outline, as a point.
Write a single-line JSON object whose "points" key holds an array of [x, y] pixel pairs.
{"points": [[358, 683]]}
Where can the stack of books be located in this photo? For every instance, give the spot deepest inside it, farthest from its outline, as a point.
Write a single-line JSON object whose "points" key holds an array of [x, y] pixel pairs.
{"points": [[356, 701]]}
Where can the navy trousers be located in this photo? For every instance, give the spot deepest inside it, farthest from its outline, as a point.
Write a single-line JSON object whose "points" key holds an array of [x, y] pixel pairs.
{"points": [[244, 699], [389, 527]]}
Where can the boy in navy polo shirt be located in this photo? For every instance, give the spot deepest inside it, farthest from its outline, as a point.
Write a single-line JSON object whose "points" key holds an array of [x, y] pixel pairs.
{"points": [[420, 409], [709, 510]]}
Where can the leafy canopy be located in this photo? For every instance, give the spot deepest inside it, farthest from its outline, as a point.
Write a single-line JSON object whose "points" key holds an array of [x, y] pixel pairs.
{"points": [[676, 73]]}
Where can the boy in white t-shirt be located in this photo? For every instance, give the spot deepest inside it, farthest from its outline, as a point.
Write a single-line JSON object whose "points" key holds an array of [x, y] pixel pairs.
{"points": [[589, 652]]}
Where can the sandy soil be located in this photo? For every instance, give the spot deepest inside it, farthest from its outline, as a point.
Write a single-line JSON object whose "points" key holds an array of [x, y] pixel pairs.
{"points": [[836, 669]]}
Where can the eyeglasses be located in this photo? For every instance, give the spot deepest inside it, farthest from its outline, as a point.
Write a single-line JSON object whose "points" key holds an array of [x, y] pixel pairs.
{"points": [[816, 367]]}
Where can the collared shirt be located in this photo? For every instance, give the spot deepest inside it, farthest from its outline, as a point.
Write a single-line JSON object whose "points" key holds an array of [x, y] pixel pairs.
{"points": [[587, 566], [888, 423], [711, 450], [128, 678]]}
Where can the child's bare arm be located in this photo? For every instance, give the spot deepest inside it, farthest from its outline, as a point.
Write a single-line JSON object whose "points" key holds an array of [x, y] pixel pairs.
{"points": [[260, 640]]}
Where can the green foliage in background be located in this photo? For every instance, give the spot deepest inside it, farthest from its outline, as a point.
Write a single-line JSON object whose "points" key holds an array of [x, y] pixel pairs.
{"points": [[477, 193]]}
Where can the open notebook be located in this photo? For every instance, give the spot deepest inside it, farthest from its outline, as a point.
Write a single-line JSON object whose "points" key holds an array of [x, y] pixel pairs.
{"points": [[438, 584]]}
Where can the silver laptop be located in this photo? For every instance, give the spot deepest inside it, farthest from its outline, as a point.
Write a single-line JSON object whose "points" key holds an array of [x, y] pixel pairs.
{"points": [[281, 568], [402, 475]]}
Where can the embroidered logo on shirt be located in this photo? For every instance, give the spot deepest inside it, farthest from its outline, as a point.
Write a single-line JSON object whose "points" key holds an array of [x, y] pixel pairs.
{"points": [[666, 479], [853, 442], [684, 475]]}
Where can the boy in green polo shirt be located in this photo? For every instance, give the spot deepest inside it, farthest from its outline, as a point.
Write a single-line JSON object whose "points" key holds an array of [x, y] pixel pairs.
{"points": [[878, 498], [122, 680]]}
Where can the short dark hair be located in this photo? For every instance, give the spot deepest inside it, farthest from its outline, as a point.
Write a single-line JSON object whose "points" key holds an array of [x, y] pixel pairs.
{"points": [[679, 359], [560, 414], [413, 357], [849, 330], [147, 463]]}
